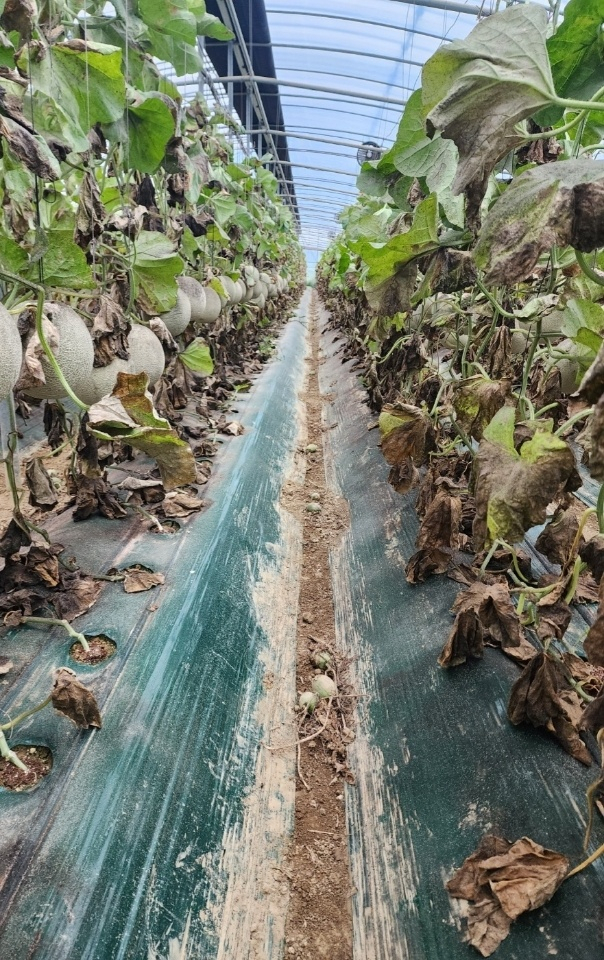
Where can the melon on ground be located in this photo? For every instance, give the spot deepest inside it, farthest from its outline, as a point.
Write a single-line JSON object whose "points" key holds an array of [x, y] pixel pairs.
{"points": [[11, 354], [102, 381], [212, 308], [75, 355]]}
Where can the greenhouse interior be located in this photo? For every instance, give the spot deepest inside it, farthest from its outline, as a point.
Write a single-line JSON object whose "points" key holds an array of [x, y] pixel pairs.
{"points": [[302, 479]]}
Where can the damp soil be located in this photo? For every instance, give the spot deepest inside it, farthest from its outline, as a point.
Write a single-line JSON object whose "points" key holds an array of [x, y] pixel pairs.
{"points": [[319, 921], [38, 761], [101, 649]]}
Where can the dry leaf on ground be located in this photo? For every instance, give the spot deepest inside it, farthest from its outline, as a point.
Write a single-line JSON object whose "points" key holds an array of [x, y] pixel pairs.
{"points": [[503, 880], [74, 700]]}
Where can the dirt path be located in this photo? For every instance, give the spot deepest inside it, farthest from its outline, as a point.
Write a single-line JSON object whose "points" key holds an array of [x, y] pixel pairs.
{"points": [[319, 922]]}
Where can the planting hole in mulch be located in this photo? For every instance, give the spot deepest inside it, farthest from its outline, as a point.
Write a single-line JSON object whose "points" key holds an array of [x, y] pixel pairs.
{"points": [[168, 526], [101, 646], [38, 761]]}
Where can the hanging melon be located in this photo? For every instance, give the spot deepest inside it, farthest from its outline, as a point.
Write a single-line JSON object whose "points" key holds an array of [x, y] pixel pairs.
{"points": [[196, 295], [146, 353], [11, 354], [177, 319], [74, 354]]}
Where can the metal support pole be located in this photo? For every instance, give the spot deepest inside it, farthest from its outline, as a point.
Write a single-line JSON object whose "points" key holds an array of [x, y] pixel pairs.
{"points": [[230, 87], [248, 121]]}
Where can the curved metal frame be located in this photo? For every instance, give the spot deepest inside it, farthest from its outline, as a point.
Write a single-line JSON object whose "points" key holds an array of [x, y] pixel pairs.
{"points": [[338, 16]]}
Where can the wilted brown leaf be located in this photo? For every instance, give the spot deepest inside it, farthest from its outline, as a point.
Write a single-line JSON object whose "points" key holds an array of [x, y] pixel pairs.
{"points": [[440, 525], [558, 536], [592, 553], [138, 579], [404, 476], [553, 621], [74, 700], [503, 881], [90, 215], [513, 490], [41, 490], [406, 433], [94, 495], [485, 614], [78, 594], [181, 504], [543, 697], [466, 639], [425, 563], [110, 331]]}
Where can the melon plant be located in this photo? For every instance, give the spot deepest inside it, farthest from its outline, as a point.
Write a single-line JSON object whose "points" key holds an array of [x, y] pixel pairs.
{"points": [[11, 353]]}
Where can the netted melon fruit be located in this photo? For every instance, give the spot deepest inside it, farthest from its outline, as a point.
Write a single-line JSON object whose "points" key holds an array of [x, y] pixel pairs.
{"points": [[146, 353], [569, 371], [177, 319], [102, 381], [196, 295], [518, 342], [231, 289], [212, 307], [11, 354], [74, 354]]}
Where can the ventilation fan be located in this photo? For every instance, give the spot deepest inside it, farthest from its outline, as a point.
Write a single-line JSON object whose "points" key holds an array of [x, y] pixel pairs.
{"points": [[368, 151]]}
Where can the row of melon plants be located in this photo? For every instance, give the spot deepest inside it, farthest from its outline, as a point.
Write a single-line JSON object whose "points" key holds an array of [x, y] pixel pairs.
{"points": [[142, 273], [468, 279]]}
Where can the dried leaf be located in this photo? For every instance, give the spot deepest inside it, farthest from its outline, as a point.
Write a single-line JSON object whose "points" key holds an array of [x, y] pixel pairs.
{"points": [[6, 666], [592, 553], [543, 697], [406, 433], [78, 594], [503, 881], [94, 495], [138, 579], [41, 490], [181, 504], [74, 700], [558, 536], [90, 215], [553, 621], [525, 877], [593, 715], [425, 563], [110, 331], [440, 525], [465, 640], [485, 614]]}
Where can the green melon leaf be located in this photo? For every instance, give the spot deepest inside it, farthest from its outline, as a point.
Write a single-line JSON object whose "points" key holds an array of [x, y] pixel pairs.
{"points": [[576, 54], [197, 357], [210, 26], [86, 80], [154, 270], [145, 129], [64, 263]]}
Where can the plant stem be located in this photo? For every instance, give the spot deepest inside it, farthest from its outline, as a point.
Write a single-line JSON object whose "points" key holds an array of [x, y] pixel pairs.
{"points": [[60, 623], [586, 863], [548, 134], [9, 755], [529, 362], [26, 713], [588, 270], [600, 509], [493, 301], [570, 423]]}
